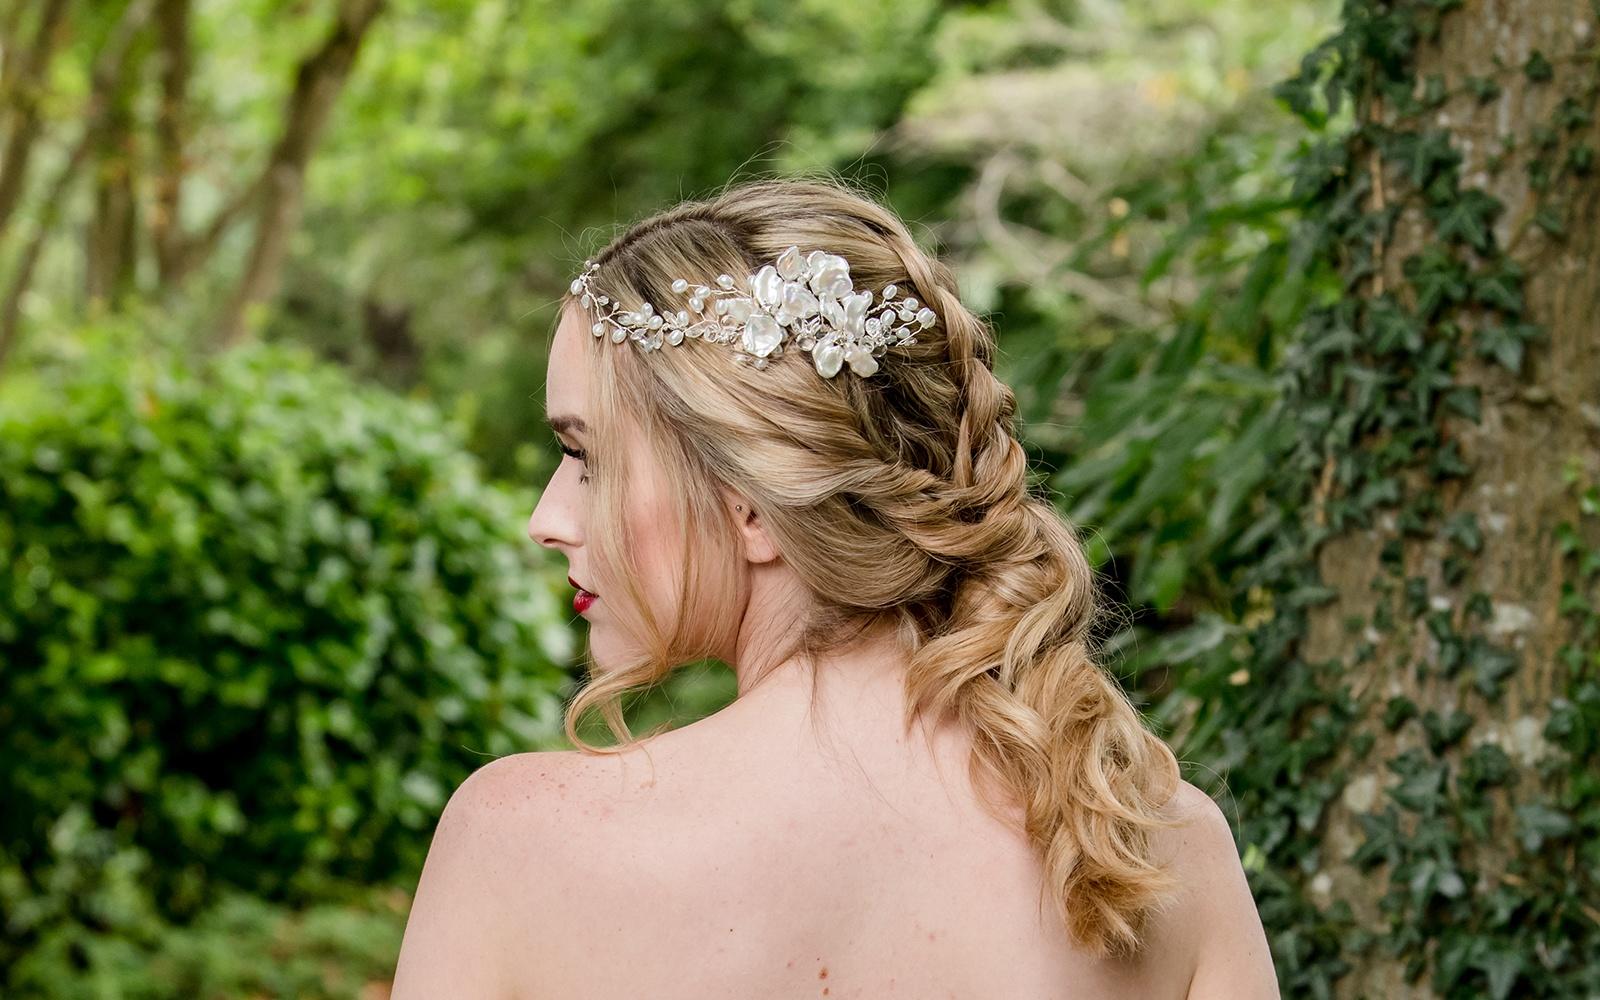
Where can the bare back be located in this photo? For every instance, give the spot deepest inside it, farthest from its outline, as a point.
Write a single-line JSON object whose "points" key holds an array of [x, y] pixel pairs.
{"points": [[743, 858]]}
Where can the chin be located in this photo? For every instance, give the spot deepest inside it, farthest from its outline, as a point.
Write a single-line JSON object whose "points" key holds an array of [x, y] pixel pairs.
{"points": [[604, 656]]}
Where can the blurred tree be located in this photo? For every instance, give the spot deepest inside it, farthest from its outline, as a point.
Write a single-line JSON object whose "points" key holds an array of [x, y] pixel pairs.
{"points": [[488, 146], [104, 48]]}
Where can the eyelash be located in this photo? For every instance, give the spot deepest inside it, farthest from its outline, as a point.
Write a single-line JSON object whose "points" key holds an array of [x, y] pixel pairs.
{"points": [[579, 455]]}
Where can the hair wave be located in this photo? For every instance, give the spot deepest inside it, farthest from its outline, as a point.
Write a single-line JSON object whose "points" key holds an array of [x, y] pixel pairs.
{"points": [[904, 499]]}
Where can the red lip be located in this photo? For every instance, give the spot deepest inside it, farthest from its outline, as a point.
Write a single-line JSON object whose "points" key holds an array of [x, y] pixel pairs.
{"points": [[583, 599]]}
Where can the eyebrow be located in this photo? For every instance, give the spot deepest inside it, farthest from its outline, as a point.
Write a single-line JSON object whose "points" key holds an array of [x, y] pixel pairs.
{"points": [[566, 423]]}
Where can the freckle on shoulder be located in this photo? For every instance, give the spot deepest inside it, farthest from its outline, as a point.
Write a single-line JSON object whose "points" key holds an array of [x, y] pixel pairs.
{"points": [[519, 780], [1199, 845]]}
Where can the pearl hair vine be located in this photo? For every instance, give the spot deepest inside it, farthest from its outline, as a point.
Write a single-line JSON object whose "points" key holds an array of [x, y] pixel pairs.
{"points": [[805, 299]]}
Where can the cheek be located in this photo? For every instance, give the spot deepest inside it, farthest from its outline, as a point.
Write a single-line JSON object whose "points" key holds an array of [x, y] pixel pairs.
{"points": [[661, 550]]}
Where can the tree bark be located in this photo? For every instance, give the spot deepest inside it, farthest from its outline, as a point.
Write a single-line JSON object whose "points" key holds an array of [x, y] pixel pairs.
{"points": [[166, 232], [1537, 54], [111, 239]]}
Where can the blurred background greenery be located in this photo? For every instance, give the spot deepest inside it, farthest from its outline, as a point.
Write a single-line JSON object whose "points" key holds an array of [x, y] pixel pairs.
{"points": [[271, 581], [277, 276]]}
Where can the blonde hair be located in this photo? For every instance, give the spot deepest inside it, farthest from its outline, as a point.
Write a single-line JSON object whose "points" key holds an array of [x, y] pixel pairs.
{"points": [[900, 500]]}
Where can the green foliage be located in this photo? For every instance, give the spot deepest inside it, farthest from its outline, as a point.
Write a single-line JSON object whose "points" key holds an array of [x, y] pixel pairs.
{"points": [[239, 946], [515, 134], [1129, 223], [256, 622]]}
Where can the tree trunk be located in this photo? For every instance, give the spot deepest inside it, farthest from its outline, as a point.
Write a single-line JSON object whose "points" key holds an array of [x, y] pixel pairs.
{"points": [[112, 235], [106, 79], [171, 128], [317, 84], [1429, 816], [23, 88]]}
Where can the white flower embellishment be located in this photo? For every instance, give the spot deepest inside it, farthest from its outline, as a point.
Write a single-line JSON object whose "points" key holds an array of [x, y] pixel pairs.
{"points": [[805, 299]]}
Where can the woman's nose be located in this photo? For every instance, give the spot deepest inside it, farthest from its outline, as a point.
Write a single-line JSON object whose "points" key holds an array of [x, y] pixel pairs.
{"points": [[551, 523]]}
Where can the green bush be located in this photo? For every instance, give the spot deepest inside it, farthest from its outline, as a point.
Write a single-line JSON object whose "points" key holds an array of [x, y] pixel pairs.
{"points": [[240, 946], [256, 623]]}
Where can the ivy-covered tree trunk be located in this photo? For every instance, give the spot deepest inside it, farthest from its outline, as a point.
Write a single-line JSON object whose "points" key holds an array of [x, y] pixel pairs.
{"points": [[1415, 754]]}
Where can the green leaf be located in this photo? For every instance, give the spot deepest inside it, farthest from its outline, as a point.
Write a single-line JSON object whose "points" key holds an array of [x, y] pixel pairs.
{"points": [[1484, 88], [1549, 220], [1464, 531], [1423, 156], [1446, 730], [1538, 67], [1467, 218], [1490, 664], [1580, 159], [1504, 342], [1538, 822], [1439, 279], [1397, 710], [1391, 328], [1501, 966], [1500, 288]]}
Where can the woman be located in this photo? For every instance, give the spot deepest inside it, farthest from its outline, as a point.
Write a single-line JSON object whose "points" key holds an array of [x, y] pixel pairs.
{"points": [[787, 449]]}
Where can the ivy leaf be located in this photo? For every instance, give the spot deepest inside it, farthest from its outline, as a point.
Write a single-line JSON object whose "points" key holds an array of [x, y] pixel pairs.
{"points": [[1501, 966], [1504, 342], [1391, 329], [1381, 839], [1299, 91], [1423, 155], [1421, 786], [1447, 462], [1466, 218], [1478, 605], [1434, 91], [1538, 67], [1445, 730], [1465, 400], [1537, 822], [1539, 174], [1548, 219], [1463, 530], [1483, 88], [1580, 159], [1500, 288], [1490, 666], [1486, 765], [1398, 709], [1438, 278], [1570, 114]]}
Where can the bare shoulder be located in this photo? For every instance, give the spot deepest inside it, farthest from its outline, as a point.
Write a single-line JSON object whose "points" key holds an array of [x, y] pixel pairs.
{"points": [[488, 877], [513, 800], [1213, 917]]}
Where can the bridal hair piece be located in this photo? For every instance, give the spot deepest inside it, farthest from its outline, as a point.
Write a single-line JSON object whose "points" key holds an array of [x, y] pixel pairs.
{"points": [[807, 299]]}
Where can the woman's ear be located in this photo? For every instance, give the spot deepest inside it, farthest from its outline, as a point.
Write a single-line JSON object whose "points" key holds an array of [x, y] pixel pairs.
{"points": [[758, 545]]}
